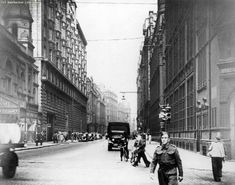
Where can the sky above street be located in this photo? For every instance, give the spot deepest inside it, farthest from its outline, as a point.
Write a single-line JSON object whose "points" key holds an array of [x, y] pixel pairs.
{"points": [[113, 29]]}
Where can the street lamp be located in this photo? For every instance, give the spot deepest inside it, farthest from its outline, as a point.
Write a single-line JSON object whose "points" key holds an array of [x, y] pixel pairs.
{"points": [[201, 106], [26, 125]]}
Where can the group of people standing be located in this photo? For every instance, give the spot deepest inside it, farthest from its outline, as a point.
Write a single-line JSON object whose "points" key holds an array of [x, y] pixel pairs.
{"points": [[166, 156]]}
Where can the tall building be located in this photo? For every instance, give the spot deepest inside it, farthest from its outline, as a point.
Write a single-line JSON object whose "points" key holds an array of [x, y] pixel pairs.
{"points": [[200, 73], [143, 78], [101, 108], [124, 112], [111, 103], [157, 71], [92, 106], [96, 108], [60, 54], [18, 72]]}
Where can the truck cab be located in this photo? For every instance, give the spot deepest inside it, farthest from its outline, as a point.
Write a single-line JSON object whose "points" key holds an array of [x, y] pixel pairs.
{"points": [[115, 132]]}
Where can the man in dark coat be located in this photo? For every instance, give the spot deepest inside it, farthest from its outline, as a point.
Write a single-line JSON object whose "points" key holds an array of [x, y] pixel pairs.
{"points": [[140, 144], [168, 158], [124, 147]]}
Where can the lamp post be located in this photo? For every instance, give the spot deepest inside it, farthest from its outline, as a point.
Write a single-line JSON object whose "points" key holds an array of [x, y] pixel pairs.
{"points": [[201, 106], [25, 126]]}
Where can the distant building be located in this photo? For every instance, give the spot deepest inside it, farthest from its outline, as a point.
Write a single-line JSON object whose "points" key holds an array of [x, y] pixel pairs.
{"points": [[111, 103], [92, 106], [101, 111], [143, 78], [124, 112], [18, 72], [60, 54], [96, 108]]}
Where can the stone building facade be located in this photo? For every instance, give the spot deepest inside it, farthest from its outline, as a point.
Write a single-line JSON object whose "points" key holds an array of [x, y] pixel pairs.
{"points": [[96, 108], [200, 73], [157, 71], [144, 78], [60, 54], [18, 72], [111, 103]]}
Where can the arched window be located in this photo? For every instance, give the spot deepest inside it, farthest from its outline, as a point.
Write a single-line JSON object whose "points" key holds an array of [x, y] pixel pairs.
{"points": [[14, 30]]}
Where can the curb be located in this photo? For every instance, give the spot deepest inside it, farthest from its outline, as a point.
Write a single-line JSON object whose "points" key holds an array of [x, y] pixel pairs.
{"points": [[34, 147], [43, 146]]}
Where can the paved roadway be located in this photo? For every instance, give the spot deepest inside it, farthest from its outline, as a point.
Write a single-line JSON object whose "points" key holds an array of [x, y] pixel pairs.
{"points": [[76, 164], [90, 163]]}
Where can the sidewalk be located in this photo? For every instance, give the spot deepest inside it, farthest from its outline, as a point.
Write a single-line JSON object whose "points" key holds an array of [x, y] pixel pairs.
{"points": [[197, 168], [32, 145]]}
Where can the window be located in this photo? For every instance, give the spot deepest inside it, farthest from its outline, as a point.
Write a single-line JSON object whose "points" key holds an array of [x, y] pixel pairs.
{"points": [[226, 44], [190, 105], [190, 38], [7, 85], [213, 111], [202, 69], [14, 30], [205, 121]]}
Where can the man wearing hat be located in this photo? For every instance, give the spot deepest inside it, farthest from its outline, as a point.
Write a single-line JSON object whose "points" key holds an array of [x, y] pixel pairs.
{"points": [[217, 154]]}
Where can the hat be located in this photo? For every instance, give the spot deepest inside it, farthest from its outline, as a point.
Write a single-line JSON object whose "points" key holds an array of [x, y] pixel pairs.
{"points": [[218, 136]]}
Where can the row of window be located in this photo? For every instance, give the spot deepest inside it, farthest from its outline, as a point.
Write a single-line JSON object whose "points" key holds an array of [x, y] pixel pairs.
{"points": [[182, 104], [60, 83]]}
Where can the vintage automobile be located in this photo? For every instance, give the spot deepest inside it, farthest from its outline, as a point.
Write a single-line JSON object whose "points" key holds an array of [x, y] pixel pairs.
{"points": [[9, 139]]}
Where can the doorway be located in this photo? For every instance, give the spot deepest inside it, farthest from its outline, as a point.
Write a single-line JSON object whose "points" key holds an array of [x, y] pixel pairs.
{"points": [[50, 126]]}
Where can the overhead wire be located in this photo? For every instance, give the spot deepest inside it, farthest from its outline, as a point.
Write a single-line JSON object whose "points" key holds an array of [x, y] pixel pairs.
{"points": [[117, 3], [114, 39]]}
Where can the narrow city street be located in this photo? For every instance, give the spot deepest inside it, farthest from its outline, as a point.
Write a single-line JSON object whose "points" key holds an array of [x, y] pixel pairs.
{"points": [[90, 163]]}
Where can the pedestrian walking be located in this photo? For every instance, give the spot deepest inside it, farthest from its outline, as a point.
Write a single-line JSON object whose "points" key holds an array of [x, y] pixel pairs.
{"points": [[217, 154], [55, 137], [124, 148], [140, 144], [167, 157]]}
